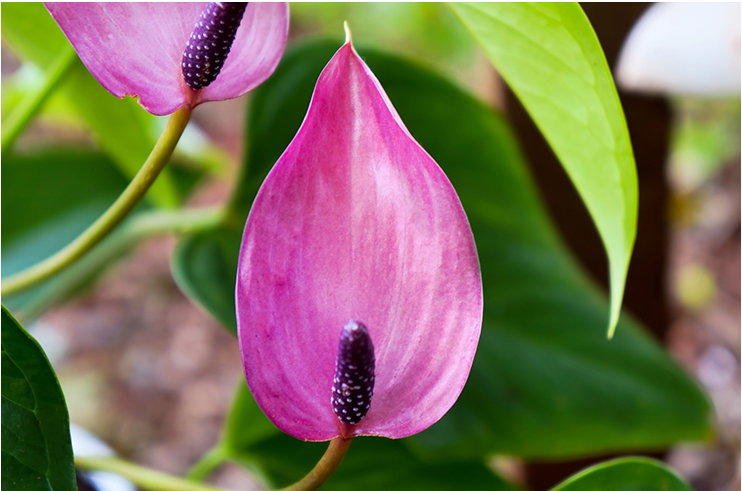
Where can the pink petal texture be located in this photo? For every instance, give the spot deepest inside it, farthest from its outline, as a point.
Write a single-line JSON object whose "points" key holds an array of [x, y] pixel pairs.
{"points": [[357, 222], [136, 48]]}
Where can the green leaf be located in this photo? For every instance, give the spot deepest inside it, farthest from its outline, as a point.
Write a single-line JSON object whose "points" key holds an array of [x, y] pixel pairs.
{"points": [[36, 447], [546, 383], [44, 207], [631, 473], [549, 55], [32, 33], [204, 266], [25, 109], [370, 464], [35, 193], [122, 128]]}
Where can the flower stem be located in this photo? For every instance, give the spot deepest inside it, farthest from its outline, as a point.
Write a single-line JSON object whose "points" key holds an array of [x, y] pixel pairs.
{"points": [[159, 481], [324, 468], [112, 217], [138, 227], [183, 221], [206, 464], [27, 108], [142, 476]]}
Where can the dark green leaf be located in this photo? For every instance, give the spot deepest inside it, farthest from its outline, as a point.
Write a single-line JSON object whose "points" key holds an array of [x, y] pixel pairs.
{"points": [[48, 199], [80, 183], [546, 383], [36, 447], [370, 464], [205, 267], [627, 474], [550, 56]]}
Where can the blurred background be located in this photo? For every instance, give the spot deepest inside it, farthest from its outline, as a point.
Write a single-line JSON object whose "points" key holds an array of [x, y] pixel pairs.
{"points": [[153, 375]]}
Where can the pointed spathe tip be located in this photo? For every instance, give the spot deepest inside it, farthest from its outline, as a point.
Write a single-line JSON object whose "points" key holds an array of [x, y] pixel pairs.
{"points": [[348, 37], [613, 323]]}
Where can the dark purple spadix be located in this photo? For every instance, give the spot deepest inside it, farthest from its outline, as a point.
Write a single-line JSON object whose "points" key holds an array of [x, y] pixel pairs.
{"points": [[210, 42], [354, 374]]}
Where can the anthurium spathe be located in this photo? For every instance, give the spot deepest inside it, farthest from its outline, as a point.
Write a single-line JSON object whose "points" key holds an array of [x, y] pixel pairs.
{"points": [[137, 49], [359, 296]]}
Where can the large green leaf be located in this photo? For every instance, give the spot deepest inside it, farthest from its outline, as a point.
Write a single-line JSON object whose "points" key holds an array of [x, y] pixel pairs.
{"points": [[546, 383], [370, 464], [36, 447], [122, 128], [204, 266], [549, 55], [35, 193], [627, 474], [44, 207]]}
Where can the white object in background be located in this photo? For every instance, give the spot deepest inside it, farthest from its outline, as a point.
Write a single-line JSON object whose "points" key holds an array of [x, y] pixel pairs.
{"points": [[684, 49], [85, 444]]}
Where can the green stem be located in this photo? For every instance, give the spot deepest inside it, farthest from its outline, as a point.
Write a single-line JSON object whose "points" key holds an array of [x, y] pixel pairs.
{"points": [[206, 465], [142, 476], [159, 481], [324, 468], [32, 102], [112, 217], [144, 224], [184, 221]]}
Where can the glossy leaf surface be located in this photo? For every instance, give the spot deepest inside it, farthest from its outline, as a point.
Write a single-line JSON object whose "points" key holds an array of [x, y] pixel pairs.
{"points": [[545, 381], [549, 55], [205, 267], [631, 473], [36, 447]]}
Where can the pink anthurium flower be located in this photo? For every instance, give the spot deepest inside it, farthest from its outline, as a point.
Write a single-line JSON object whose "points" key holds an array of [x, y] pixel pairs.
{"points": [[359, 296], [150, 50]]}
